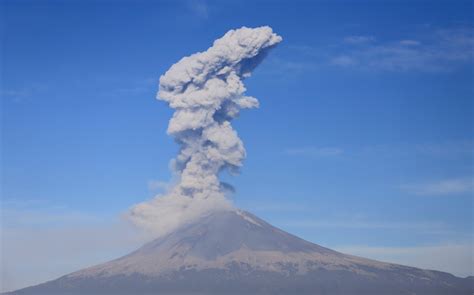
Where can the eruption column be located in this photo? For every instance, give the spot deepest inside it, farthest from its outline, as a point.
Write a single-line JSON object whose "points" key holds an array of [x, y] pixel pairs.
{"points": [[207, 92]]}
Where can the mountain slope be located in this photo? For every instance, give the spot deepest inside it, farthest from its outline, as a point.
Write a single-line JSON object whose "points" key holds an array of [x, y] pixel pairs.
{"points": [[234, 252]]}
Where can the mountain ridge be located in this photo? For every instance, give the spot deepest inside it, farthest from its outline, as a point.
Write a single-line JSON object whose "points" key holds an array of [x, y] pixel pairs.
{"points": [[235, 252]]}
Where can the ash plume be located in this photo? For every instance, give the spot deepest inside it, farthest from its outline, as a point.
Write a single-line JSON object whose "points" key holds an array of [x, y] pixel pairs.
{"points": [[207, 92]]}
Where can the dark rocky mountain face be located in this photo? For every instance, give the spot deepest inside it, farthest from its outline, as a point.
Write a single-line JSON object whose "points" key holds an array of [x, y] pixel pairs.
{"points": [[234, 252]]}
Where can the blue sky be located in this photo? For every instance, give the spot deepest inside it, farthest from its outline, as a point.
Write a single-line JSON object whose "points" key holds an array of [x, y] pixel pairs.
{"points": [[363, 141]]}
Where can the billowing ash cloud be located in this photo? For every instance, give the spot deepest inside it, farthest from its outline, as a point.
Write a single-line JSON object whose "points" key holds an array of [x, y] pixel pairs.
{"points": [[207, 92]]}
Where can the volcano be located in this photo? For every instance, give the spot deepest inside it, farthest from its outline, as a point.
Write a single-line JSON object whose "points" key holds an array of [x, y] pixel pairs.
{"points": [[235, 252]]}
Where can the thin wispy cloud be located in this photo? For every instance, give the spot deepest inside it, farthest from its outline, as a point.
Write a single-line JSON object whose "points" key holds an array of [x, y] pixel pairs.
{"points": [[199, 8], [137, 86], [282, 67], [315, 151], [20, 94], [357, 224], [442, 187], [359, 39], [433, 50], [15, 92], [447, 148], [440, 50], [344, 60], [456, 258], [410, 42]]}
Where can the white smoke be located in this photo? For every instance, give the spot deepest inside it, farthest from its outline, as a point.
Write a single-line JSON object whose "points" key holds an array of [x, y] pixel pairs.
{"points": [[207, 92]]}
